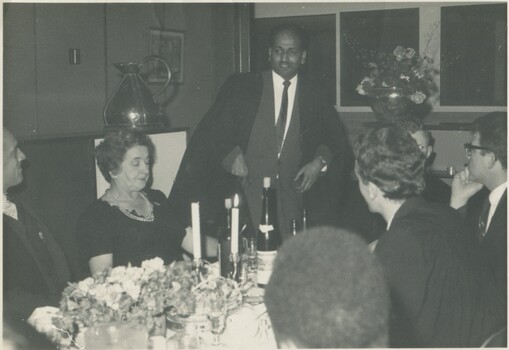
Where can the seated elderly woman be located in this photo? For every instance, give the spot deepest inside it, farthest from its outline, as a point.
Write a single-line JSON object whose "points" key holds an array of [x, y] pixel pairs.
{"points": [[130, 222], [441, 295], [327, 291]]}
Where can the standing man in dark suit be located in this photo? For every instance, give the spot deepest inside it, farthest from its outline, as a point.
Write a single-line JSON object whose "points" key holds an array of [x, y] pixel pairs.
{"points": [[273, 124], [480, 191], [35, 268]]}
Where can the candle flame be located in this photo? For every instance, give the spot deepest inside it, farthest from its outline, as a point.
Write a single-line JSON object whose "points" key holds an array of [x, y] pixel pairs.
{"points": [[236, 201]]}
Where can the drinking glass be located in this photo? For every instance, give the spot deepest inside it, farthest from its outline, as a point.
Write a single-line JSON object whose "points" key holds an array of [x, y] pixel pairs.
{"points": [[249, 262], [215, 307]]}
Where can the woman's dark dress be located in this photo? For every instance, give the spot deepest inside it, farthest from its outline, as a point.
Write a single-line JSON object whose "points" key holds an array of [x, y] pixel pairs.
{"points": [[104, 229], [441, 294]]}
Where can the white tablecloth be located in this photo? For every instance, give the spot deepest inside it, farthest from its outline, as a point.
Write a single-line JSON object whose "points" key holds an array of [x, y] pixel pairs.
{"points": [[246, 328]]}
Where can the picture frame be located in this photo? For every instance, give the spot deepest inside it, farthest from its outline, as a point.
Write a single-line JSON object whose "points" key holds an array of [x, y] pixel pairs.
{"points": [[169, 45]]}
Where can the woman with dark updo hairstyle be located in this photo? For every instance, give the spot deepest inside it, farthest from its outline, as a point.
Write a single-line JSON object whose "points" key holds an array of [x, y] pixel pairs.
{"points": [[441, 294], [130, 222]]}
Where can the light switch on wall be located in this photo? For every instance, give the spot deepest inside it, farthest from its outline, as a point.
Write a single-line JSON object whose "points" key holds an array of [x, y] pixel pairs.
{"points": [[74, 56]]}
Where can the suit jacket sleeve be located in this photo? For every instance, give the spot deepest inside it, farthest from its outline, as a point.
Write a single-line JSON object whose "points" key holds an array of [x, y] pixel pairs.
{"points": [[225, 126], [323, 127]]}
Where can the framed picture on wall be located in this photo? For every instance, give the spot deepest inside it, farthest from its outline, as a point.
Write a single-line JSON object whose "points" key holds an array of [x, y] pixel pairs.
{"points": [[169, 45]]}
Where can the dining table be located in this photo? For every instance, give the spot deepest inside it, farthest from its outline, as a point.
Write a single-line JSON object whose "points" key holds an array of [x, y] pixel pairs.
{"points": [[247, 326]]}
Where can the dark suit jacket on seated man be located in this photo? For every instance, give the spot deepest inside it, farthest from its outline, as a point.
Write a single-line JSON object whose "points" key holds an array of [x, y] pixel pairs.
{"points": [[441, 293], [480, 192], [242, 133], [35, 268]]}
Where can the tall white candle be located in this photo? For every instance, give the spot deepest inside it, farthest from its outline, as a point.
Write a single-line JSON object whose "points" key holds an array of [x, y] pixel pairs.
{"points": [[235, 231], [195, 221]]}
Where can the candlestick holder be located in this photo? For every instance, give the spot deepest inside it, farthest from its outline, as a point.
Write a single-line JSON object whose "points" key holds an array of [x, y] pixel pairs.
{"points": [[234, 273], [198, 268]]}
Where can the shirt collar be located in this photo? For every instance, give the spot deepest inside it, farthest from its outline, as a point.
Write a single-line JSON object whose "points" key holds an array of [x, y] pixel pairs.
{"points": [[9, 208], [278, 80], [497, 193]]}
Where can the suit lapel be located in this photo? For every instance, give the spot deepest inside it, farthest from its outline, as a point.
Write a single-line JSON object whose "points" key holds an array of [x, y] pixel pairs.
{"points": [[305, 105], [21, 232], [25, 226]]}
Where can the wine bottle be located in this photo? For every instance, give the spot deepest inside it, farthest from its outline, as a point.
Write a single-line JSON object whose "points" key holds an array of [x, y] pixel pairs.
{"points": [[268, 238], [224, 241]]}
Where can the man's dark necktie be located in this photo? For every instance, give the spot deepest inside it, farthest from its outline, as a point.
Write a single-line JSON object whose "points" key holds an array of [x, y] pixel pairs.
{"points": [[281, 120], [483, 220]]}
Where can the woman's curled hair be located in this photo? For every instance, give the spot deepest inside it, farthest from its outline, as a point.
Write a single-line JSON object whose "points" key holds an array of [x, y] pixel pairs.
{"points": [[390, 158], [111, 151]]}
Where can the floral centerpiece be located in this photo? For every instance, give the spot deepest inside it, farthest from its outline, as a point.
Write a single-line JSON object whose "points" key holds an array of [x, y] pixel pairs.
{"points": [[128, 295], [135, 296], [402, 78]]}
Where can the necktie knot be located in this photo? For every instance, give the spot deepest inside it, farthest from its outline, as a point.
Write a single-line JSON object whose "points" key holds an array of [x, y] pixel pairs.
{"points": [[286, 83]]}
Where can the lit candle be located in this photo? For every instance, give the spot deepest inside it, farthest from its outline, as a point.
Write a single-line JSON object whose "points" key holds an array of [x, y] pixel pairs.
{"points": [[235, 231], [195, 220]]}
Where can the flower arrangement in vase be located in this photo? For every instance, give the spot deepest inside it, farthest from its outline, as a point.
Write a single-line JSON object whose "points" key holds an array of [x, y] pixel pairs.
{"points": [[397, 82], [127, 295], [137, 297]]}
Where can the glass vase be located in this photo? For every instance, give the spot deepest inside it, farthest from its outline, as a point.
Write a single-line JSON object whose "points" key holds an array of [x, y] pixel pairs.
{"points": [[391, 105], [116, 336]]}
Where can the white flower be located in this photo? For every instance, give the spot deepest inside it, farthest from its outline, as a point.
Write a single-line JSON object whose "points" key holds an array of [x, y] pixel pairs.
{"points": [[360, 87], [86, 284], [100, 292], [133, 273], [153, 264], [409, 53], [132, 289], [360, 90], [418, 97], [404, 77]]}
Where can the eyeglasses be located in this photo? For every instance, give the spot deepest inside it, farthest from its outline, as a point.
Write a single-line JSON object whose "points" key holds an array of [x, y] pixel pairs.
{"points": [[469, 147]]}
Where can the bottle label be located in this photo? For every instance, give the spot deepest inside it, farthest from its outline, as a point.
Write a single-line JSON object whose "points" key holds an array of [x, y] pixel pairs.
{"points": [[265, 261], [266, 228]]}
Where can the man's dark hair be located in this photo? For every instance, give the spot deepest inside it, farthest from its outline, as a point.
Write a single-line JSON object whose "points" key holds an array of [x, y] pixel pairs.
{"points": [[293, 28], [390, 158], [492, 129], [327, 291]]}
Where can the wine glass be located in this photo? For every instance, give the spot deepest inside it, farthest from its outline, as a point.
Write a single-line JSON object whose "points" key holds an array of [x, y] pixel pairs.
{"points": [[216, 314]]}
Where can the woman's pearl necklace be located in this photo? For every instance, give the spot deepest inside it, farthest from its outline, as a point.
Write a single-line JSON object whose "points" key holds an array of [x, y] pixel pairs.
{"points": [[148, 218]]}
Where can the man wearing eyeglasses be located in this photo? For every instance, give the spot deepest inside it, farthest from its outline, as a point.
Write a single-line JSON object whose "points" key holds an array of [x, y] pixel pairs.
{"points": [[480, 191]]}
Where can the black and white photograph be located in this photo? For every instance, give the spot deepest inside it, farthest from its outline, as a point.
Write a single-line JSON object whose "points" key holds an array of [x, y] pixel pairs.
{"points": [[254, 175]]}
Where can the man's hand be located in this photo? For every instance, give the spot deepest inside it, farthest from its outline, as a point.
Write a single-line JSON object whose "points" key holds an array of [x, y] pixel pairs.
{"points": [[308, 175], [239, 166], [463, 187]]}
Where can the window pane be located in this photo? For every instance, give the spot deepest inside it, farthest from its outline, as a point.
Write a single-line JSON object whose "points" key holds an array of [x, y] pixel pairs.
{"points": [[473, 67], [364, 31]]}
